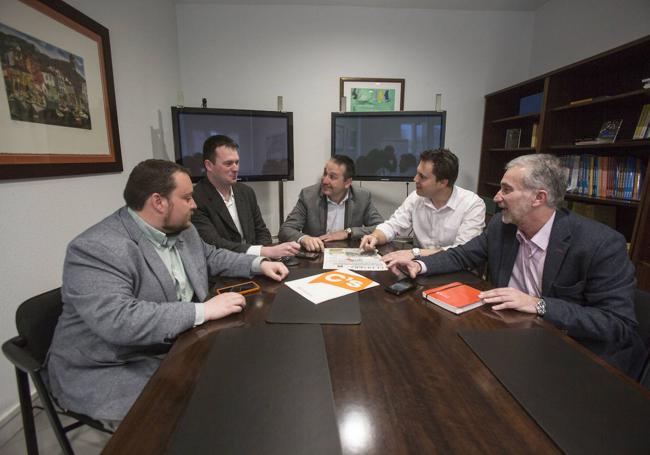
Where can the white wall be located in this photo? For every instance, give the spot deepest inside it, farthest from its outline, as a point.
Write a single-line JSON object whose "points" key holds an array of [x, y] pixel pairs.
{"points": [[568, 31], [39, 217], [245, 56]]}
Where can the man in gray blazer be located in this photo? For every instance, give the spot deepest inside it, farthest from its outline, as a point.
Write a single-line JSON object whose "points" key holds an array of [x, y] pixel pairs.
{"points": [[572, 271], [227, 214], [331, 210], [131, 284]]}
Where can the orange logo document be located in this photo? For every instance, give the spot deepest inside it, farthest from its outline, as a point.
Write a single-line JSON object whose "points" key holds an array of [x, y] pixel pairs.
{"points": [[344, 280], [330, 285]]}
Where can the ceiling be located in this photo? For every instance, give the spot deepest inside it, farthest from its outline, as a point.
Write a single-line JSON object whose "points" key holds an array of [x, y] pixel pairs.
{"points": [[468, 5]]}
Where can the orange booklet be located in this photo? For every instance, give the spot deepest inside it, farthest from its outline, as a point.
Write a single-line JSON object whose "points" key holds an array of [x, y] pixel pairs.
{"points": [[455, 297]]}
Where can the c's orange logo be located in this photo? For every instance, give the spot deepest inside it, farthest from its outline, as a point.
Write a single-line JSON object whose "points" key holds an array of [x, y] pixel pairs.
{"points": [[343, 280]]}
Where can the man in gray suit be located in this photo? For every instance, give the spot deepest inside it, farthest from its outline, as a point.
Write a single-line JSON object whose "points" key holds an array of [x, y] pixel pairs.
{"points": [[131, 284], [331, 210], [227, 214], [572, 271]]}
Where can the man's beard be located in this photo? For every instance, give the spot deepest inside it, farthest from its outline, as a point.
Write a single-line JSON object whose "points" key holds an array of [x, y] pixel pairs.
{"points": [[170, 229], [174, 229]]}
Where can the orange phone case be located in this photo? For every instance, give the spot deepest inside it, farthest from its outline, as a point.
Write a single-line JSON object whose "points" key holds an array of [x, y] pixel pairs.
{"points": [[255, 288]]}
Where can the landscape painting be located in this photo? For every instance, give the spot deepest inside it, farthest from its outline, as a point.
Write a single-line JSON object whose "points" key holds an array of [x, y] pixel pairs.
{"points": [[44, 83]]}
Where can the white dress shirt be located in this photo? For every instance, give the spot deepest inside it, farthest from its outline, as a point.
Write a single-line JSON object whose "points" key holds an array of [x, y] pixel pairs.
{"points": [[458, 221], [231, 205], [336, 214]]}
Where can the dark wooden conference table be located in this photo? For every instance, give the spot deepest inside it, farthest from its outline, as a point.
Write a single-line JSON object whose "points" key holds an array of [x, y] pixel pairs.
{"points": [[403, 381]]}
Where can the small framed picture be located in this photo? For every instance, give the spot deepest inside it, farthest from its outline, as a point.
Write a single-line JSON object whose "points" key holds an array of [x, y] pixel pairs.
{"points": [[513, 136], [364, 94]]}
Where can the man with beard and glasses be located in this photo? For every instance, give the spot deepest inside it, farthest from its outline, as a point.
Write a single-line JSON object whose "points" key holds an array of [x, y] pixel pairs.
{"points": [[543, 259], [331, 210], [131, 284]]}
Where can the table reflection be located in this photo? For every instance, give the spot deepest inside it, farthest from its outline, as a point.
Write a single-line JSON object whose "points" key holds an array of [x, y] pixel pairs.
{"points": [[356, 430]]}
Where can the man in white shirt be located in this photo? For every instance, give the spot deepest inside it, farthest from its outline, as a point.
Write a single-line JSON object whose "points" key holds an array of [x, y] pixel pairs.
{"points": [[227, 214], [439, 213]]}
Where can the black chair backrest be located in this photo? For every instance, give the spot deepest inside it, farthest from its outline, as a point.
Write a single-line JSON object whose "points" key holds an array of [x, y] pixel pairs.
{"points": [[642, 308], [36, 319]]}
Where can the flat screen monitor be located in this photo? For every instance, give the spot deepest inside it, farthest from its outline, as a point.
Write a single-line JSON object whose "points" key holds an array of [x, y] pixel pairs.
{"points": [[265, 140], [387, 145]]}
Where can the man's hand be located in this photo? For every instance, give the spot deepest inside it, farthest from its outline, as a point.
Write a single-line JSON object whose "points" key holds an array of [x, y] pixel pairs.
{"points": [[400, 266], [275, 270], [223, 305], [368, 242], [334, 236], [312, 243], [281, 250], [401, 254], [510, 298]]}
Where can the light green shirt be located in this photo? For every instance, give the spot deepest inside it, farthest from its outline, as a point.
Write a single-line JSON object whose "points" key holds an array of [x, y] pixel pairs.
{"points": [[165, 246]]}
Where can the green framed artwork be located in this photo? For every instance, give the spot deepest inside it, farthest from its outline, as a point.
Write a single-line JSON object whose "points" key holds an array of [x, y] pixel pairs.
{"points": [[372, 94]]}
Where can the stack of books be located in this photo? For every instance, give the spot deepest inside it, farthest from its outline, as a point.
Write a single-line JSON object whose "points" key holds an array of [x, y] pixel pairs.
{"points": [[618, 177]]}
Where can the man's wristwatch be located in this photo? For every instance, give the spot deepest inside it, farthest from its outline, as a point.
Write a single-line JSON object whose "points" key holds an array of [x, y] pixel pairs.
{"points": [[541, 307], [349, 232], [416, 253]]}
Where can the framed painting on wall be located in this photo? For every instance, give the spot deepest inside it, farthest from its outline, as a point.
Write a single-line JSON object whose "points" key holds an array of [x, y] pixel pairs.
{"points": [[372, 94], [57, 100]]}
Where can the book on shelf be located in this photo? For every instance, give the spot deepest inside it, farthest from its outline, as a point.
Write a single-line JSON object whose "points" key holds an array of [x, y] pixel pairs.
{"points": [[533, 136], [531, 104], [455, 297], [588, 100], [607, 134], [642, 129], [582, 101], [513, 136], [618, 177]]}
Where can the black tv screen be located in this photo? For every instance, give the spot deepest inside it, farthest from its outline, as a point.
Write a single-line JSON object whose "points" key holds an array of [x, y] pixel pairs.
{"points": [[265, 140], [387, 145]]}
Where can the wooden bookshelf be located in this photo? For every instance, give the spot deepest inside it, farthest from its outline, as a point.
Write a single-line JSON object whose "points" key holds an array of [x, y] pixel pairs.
{"points": [[575, 101]]}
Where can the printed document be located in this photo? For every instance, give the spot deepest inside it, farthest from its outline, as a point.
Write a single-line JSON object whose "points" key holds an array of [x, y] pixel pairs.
{"points": [[352, 259], [330, 285]]}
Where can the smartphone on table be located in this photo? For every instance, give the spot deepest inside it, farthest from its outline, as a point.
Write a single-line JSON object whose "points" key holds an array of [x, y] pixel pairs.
{"points": [[249, 287], [307, 254], [401, 286]]}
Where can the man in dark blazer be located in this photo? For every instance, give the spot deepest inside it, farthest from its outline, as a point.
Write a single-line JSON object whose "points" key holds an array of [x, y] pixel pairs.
{"points": [[331, 210], [131, 284], [227, 214], [572, 271]]}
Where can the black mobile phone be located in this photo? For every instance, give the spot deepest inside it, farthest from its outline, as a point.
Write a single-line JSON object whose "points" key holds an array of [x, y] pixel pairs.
{"points": [[401, 286], [289, 261], [307, 254]]}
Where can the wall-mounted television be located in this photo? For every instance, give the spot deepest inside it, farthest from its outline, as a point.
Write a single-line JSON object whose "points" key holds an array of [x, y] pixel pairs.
{"points": [[265, 140], [387, 145]]}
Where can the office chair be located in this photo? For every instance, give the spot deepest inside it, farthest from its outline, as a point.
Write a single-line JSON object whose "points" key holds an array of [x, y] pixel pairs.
{"points": [[36, 319], [642, 309]]}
